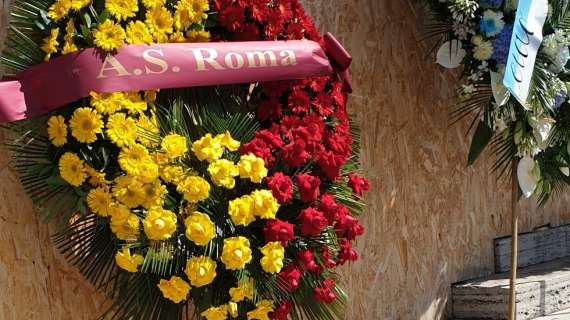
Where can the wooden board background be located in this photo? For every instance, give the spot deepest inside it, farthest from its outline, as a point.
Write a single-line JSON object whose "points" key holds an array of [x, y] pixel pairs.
{"points": [[430, 220]]}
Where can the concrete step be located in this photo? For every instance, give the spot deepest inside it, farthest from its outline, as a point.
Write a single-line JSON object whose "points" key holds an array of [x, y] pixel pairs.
{"points": [[560, 315], [542, 290]]}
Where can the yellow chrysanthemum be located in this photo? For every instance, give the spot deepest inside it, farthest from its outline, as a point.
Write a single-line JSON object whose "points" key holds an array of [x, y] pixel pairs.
{"points": [[138, 33], [199, 228], [201, 271], [208, 148], [128, 262], [128, 190], [241, 211], [50, 44], [194, 189], [252, 167], [273, 255], [69, 47], [153, 3], [171, 174], [71, 169], [57, 130], [131, 158], [228, 142], [189, 12], [198, 36], [134, 103], [150, 95], [124, 223], [216, 313], [79, 4], [262, 310], [243, 291], [96, 178], [223, 173], [85, 124], [59, 9], [122, 130], [174, 145], [122, 9], [177, 37], [159, 223], [99, 201], [107, 103], [159, 21], [233, 309], [175, 289], [153, 195], [236, 253], [109, 36], [265, 205]]}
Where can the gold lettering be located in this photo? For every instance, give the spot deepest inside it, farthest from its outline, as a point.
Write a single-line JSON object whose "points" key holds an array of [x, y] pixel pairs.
{"points": [[257, 56], [155, 61], [239, 61], [289, 58], [211, 59], [114, 65]]}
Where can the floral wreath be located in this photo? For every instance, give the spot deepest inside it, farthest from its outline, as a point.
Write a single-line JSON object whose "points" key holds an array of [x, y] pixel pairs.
{"points": [[226, 202], [476, 35]]}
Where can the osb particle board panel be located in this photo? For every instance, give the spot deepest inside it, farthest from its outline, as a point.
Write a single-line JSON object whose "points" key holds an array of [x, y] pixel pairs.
{"points": [[430, 220]]}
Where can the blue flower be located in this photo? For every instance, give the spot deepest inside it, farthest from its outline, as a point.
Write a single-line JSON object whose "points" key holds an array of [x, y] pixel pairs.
{"points": [[501, 45], [491, 23], [559, 99]]}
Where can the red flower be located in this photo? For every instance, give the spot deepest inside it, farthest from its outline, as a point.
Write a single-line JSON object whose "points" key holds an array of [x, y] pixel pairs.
{"points": [[332, 210], [282, 311], [277, 230], [270, 138], [331, 164], [312, 222], [349, 228], [295, 153], [323, 104], [307, 260], [324, 292], [339, 143], [259, 148], [249, 32], [291, 275], [309, 187], [299, 101], [346, 252], [259, 10], [327, 258], [269, 109], [295, 31], [281, 186], [318, 84], [232, 17], [358, 184]]}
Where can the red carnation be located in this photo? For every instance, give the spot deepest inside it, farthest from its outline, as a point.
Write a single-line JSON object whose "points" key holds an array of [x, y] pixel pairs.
{"points": [[259, 148], [312, 222], [323, 104], [288, 123], [358, 184], [318, 84], [232, 17], [295, 31], [349, 228], [331, 164], [299, 101], [291, 275], [249, 32], [282, 311], [308, 186], [327, 258], [281, 186], [332, 210], [346, 252], [307, 260], [295, 153], [269, 109], [270, 138], [277, 230], [324, 292]]}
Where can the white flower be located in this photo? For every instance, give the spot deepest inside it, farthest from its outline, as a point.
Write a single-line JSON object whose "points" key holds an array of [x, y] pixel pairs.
{"points": [[483, 51]]}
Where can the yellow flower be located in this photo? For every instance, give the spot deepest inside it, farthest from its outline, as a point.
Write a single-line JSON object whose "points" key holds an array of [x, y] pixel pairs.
{"points": [[273, 255], [194, 189], [122, 130], [122, 9], [138, 33], [483, 51], [233, 309], [189, 12], [149, 172], [96, 178], [79, 4], [171, 174], [201, 271], [228, 142], [134, 103], [85, 124], [59, 9], [153, 195], [174, 145], [150, 95], [175, 289], [223, 173], [69, 47], [199, 228], [198, 36], [252, 167], [262, 310], [128, 190], [208, 148], [99, 201], [241, 211], [71, 169], [159, 21], [136, 161], [159, 224], [243, 291], [108, 103], [236, 253], [57, 130], [124, 223], [265, 205], [216, 313], [109, 36], [153, 3], [128, 262], [50, 43]]}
